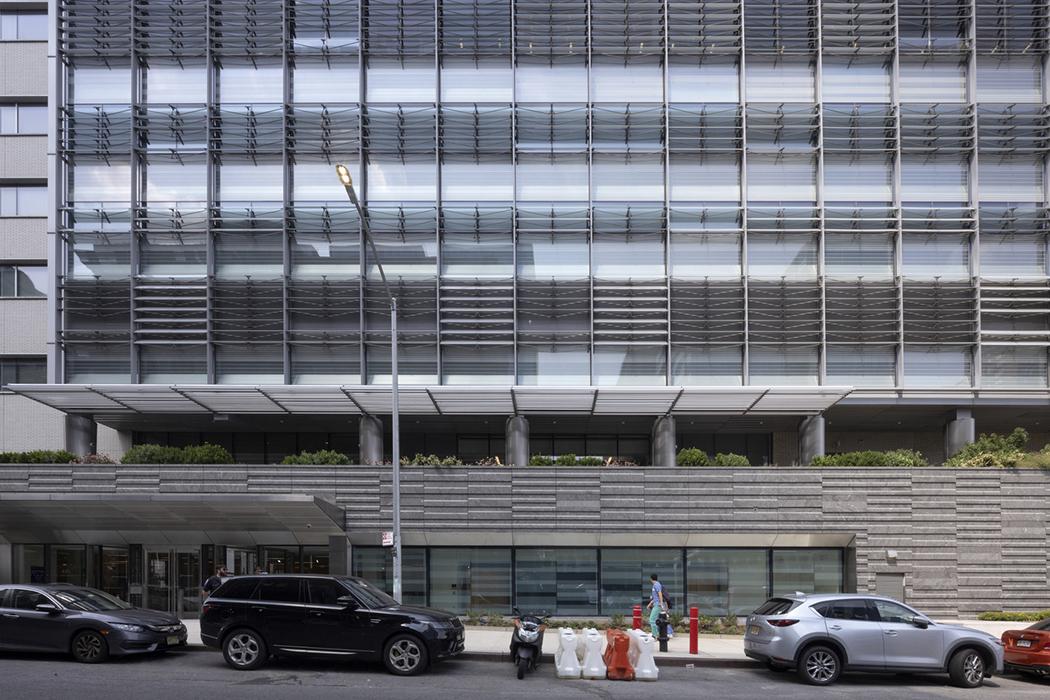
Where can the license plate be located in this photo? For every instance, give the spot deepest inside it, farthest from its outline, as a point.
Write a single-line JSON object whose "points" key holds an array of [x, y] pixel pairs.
{"points": [[173, 640], [1024, 643], [754, 629]]}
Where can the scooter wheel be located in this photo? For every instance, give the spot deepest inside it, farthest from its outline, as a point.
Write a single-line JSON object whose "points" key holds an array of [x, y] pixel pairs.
{"points": [[523, 665]]}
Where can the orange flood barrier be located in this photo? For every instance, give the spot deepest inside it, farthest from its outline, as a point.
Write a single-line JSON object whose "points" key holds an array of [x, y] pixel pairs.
{"points": [[615, 656]]}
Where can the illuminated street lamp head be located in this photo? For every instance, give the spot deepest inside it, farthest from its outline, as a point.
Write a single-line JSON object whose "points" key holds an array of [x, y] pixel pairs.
{"points": [[344, 175]]}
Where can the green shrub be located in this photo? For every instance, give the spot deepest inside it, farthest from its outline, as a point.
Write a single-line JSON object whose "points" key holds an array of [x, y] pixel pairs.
{"points": [[96, 459], [617, 622], [729, 459], [541, 461], [206, 454], [992, 450], [422, 460], [1036, 460], [152, 454], [38, 457], [693, 457], [1001, 616], [872, 458], [568, 460], [319, 457], [590, 462]]}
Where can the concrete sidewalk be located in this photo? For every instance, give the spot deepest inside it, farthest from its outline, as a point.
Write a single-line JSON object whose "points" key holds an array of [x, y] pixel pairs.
{"points": [[493, 643]]}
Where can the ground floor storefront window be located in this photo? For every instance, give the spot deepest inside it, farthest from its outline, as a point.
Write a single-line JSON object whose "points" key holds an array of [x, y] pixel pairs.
{"points": [[600, 581]]}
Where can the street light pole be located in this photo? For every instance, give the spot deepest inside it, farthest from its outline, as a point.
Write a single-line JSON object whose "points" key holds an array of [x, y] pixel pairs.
{"points": [[395, 420]]}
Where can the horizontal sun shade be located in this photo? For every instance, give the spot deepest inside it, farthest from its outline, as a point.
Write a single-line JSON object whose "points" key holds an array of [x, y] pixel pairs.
{"points": [[281, 399]]}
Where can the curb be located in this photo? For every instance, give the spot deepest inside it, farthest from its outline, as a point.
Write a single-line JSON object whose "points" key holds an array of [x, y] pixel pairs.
{"points": [[672, 661], [503, 657]]}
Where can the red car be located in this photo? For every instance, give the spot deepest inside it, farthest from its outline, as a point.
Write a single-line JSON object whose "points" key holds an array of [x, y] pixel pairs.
{"points": [[1028, 650]]}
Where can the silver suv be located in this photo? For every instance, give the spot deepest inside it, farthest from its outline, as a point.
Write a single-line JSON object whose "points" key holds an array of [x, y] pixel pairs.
{"points": [[822, 635]]}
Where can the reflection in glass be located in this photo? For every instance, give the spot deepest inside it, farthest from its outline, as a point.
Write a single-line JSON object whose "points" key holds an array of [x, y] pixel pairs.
{"points": [[375, 564], [557, 581], [807, 570], [625, 576], [470, 579], [727, 581]]}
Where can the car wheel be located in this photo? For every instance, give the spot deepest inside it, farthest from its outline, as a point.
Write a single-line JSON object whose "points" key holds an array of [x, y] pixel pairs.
{"points": [[966, 668], [244, 650], [405, 655], [819, 665], [89, 647]]}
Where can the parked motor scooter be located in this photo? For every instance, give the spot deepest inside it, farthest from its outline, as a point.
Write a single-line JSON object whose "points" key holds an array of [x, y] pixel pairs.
{"points": [[526, 642]]}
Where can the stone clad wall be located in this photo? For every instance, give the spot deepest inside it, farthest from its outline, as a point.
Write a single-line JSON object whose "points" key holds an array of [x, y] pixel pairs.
{"points": [[967, 540]]}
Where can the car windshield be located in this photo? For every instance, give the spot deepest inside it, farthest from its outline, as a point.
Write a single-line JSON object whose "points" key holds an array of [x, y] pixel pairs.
{"points": [[88, 600], [370, 596]]}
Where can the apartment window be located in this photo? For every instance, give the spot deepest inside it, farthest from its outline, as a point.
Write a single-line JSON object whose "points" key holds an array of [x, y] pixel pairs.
{"points": [[23, 26], [23, 370], [23, 201], [23, 119], [23, 281]]}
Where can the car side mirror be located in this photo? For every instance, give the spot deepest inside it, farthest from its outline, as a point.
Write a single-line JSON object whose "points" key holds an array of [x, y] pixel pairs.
{"points": [[920, 622], [346, 601], [49, 608]]}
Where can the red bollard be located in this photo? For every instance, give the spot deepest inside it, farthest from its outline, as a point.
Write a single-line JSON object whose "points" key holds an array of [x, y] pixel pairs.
{"points": [[694, 631], [636, 617]]}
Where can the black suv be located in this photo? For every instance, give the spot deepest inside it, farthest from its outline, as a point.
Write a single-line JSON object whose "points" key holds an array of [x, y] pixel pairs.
{"points": [[252, 617]]}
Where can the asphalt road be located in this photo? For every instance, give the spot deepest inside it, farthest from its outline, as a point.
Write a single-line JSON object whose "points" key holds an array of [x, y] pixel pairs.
{"points": [[203, 674]]}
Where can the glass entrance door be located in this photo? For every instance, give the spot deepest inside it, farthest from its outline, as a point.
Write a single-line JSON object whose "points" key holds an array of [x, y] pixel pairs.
{"points": [[173, 580], [241, 562]]}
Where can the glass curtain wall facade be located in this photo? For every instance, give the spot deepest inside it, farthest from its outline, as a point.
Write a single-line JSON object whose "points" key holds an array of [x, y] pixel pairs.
{"points": [[605, 581], [572, 192]]}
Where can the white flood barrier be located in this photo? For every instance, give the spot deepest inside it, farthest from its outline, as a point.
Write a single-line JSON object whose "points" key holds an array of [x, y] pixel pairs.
{"points": [[642, 656], [565, 661], [593, 664]]}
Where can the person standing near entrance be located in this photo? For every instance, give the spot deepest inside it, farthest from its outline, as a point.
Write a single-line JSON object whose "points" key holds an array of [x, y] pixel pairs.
{"points": [[214, 581], [657, 604]]}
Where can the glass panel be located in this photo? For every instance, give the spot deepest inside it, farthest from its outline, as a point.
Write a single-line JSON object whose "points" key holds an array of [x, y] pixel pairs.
{"points": [[630, 366], [470, 81], [705, 255], [416, 364], [807, 570], [559, 581], [868, 255], [488, 255], [710, 80], [326, 364], [280, 560], [97, 363], [176, 83], [481, 364], [936, 255], [864, 178], [176, 364], [322, 254], [625, 577], [250, 84], [623, 256], [554, 365], [934, 178], [328, 82], [99, 85], [474, 181], [564, 255], [159, 579], [29, 563], [31, 201], [31, 281], [375, 564], [68, 564], [852, 80], [929, 79], [928, 366], [779, 80], [32, 119], [727, 581], [1008, 79], [249, 364], [400, 81], [707, 366], [710, 177], [173, 254], [188, 582], [552, 178], [783, 366], [1014, 367], [315, 560], [861, 365], [783, 255], [463, 579], [1009, 255], [633, 81], [1010, 179], [551, 82]]}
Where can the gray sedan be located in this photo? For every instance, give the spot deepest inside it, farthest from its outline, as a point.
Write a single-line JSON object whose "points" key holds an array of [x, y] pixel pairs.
{"points": [[89, 624]]}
